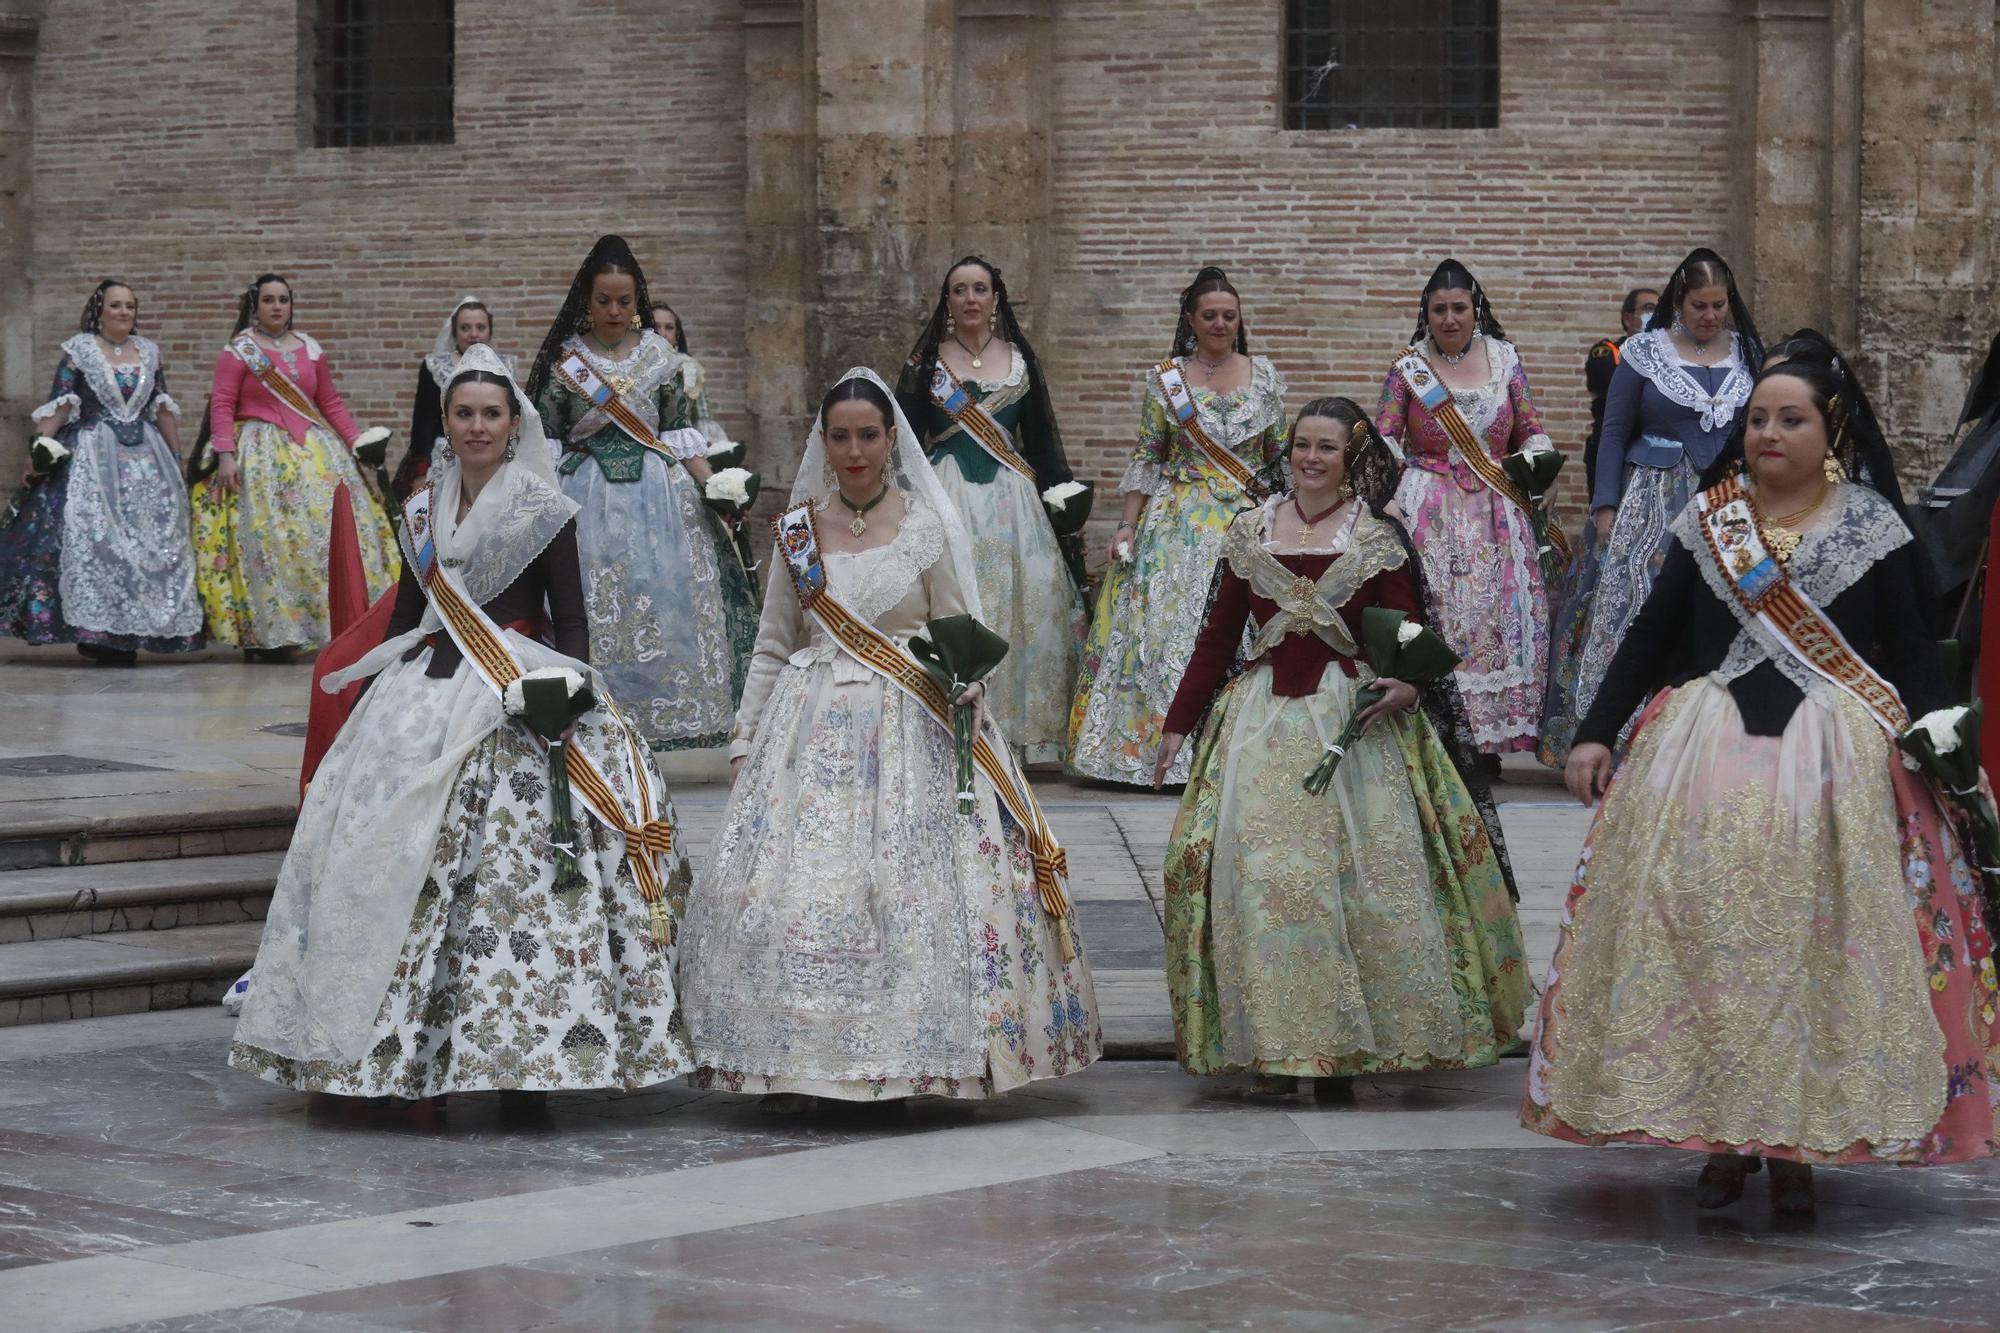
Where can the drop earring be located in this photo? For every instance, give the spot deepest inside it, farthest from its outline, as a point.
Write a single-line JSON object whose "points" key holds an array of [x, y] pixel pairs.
{"points": [[826, 475], [635, 321], [1832, 470], [512, 441]]}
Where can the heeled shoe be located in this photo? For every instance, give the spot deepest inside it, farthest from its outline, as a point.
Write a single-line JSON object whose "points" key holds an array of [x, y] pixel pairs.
{"points": [[1273, 1085], [1792, 1192], [99, 655], [1721, 1181]]}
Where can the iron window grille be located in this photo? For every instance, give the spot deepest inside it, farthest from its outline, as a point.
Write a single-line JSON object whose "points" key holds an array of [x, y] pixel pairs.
{"points": [[382, 72], [1409, 64]]}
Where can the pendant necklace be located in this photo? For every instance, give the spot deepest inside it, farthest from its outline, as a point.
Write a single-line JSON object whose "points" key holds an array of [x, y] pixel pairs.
{"points": [[1782, 532], [1306, 521], [1208, 368], [977, 364], [860, 525]]}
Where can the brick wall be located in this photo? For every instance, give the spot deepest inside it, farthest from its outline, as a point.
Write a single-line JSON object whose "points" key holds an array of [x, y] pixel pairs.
{"points": [[1610, 163], [168, 153]]}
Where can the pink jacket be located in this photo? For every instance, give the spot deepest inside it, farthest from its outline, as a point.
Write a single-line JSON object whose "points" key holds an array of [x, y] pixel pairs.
{"points": [[238, 394]]}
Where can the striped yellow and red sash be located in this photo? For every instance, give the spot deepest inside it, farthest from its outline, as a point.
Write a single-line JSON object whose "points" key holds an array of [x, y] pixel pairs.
{"points": [[1187, 417], [1733, 532], [973, 418], [647, 837], [1429, 388], [273, 377], [798, 543], [578, 377]]}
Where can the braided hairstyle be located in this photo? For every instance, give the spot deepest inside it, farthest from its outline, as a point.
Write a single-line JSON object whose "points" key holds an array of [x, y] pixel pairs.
{"points": [[1705, 268], [246, 301], [1210, 279], [93, 309], [1372, 469], [609, 255], [1452, 276], [680, 338], [1038, 437]]}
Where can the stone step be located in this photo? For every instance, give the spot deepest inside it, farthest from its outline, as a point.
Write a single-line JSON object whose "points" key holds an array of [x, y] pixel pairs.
{"points": [[160, 826], [61, 902], [43, 981]]}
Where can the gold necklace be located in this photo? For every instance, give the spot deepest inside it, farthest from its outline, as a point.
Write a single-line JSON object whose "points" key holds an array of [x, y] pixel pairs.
{"points": [[860, 525], [1305, 523], [1781, 532]]}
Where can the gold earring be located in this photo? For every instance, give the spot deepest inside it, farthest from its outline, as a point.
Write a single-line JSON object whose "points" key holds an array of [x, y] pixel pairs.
{"points": [[826, 475], [1834, 472], [635, 320], [583, 322]]}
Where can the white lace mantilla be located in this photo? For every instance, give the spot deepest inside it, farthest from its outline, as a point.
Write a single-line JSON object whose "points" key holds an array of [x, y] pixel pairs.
{"points": [[1832, 557], [441, 364], [1654, 355], [102, 376], [522, 517]]}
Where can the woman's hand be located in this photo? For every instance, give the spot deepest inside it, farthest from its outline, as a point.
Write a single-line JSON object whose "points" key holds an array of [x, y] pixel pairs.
{"points": [[1120, 550], [975, 694], [1398, 696], [228, 472], [736, 768], [1588, 772], [569, 733], [1170, 750], [1604, 517], [698, 469]]}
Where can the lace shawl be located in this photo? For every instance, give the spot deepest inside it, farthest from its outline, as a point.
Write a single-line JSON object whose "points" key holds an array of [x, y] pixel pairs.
{"points": [[1653, 355]]}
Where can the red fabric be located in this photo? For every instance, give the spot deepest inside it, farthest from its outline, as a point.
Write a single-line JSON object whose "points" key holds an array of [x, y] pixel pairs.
{"points": [[1989, 655], [236, 393], [1298, 660], [357, 629]]}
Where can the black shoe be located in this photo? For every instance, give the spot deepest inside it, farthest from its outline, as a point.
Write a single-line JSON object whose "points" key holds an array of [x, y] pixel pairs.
{"points": [[1721, 1181], [111, 657], [525, 1110]]}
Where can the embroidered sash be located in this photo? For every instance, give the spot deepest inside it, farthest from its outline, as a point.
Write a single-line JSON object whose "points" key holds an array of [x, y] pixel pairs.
{"points": [[577, 375], [273, 377], [1765, 594], [1180, 402], [1306, 607], [973, 418], [647, 837], [798, 544], [1429, 389]]}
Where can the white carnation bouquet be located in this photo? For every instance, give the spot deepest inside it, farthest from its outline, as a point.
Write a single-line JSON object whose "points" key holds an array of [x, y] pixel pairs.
{"points": [[731, 492], [46, 454]]}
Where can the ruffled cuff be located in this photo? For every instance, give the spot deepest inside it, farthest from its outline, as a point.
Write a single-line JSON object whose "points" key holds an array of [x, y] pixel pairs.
{"points": [[684, 442], [739, 746], [1144, 476], [55, 405], [164, 403]]}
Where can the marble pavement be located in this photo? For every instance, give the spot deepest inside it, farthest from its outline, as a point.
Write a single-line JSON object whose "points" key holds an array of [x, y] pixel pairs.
{"points": [[145, 1186]]}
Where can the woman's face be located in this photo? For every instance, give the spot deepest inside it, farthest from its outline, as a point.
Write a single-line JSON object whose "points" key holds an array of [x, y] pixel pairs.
{"points": [[1319, 454], [1448, 315], [1703, 312], [471, 326], [274, 308], [969, 288], [118, 315], [667, 324], [478, 421], [857, 445], [1216, 317], [1784, 434], [612, 302]]}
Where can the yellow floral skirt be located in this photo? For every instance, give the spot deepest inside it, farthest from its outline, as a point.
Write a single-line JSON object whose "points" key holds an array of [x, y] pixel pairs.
{"points": [[260, 553]]}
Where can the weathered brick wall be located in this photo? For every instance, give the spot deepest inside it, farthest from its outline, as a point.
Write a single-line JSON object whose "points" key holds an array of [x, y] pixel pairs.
{"points": [[168, 153], [1610, 162]]}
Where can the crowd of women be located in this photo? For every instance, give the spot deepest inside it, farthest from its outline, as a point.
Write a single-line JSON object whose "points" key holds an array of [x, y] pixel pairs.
{"points": [[1775, 949]]}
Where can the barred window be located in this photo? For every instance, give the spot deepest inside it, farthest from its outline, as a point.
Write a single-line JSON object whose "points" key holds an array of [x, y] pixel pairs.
{"points": [[382, 72], [1411, 64]]}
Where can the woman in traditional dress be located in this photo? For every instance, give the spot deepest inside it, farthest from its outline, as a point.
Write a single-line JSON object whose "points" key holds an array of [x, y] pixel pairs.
{"points": [[1774, 950], [978, 399], [1213, 418], [1370, 928], [1456, 402], [671, 613], [276, 444], [1667, 416], [97, 552], [470, 321], [858, 937], [694, 379], [421, 940]]}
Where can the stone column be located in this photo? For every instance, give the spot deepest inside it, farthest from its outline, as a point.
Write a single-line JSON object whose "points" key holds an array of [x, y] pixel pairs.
{"points": [[1000, 205], [782, 286], [22, 372]]}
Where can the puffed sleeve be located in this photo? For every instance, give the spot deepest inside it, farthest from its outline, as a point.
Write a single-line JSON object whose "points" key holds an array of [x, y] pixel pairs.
{"points": [[1621, 423], [1392, 414], [1147, 473], [223, 392], [781, 631], [330, 403]]}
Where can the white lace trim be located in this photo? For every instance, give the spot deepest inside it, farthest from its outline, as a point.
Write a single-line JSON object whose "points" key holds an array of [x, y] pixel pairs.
{"points": [[102, 376], [1231, 418], [1014, 376], [165, 402], [1654, 355], [917, 546], [1833, 556], [55, 405], [441, 364], [649, 365], [1144, 476]]}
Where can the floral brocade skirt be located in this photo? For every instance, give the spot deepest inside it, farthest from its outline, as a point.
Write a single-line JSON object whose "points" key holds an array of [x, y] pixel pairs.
{"points": [[1485, 578], [1364, 930], [1772, 946], [260, 553]]}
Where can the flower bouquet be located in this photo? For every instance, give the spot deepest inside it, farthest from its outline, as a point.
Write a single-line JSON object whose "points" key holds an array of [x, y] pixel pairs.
{"points": [[1945, 745], [1400, 649], [548, 702], [46, 454], [371, 450], [730, 492], [1069, 505], [728, 454], [958, 652], [1533, 469]]}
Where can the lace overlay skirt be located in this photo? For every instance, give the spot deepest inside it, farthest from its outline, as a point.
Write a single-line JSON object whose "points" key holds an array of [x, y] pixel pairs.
{"points": [[1771, 945], [1364, 930]]}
